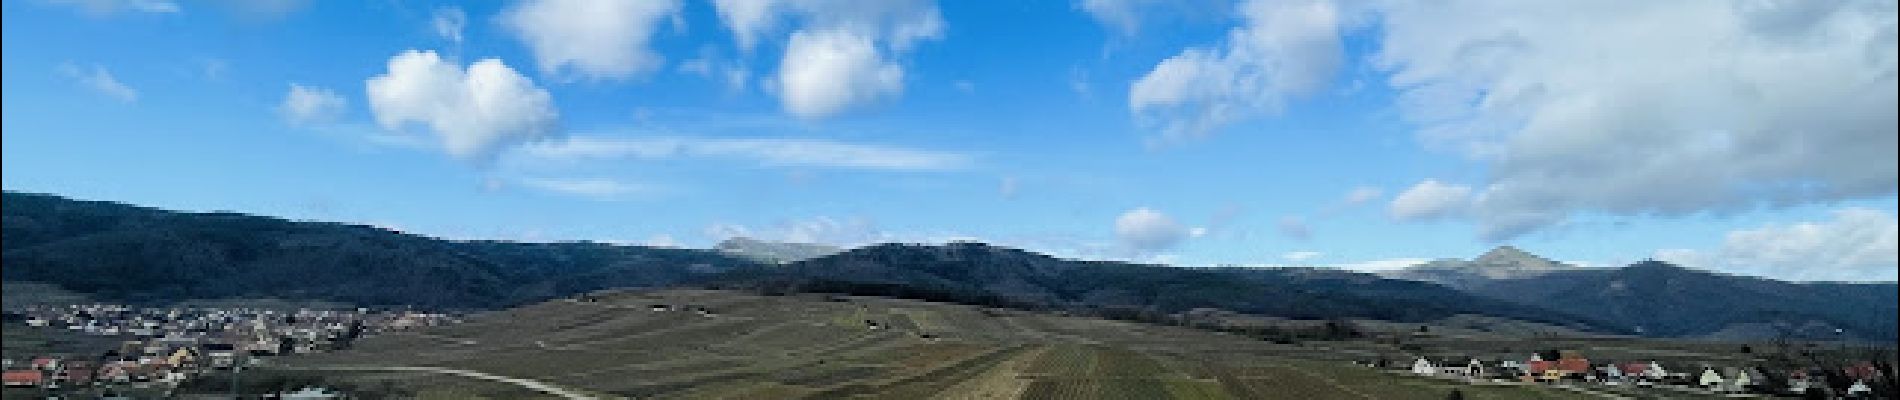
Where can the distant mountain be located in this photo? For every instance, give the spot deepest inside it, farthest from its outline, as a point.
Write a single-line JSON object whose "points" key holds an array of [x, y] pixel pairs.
{"points": [[121, 252], [1504, 262], [1661, 299], [774, 252], [978, 273]]}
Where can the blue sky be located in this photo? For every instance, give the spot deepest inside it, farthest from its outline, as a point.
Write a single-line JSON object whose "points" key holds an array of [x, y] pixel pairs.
{"points": [[1363, 135]]}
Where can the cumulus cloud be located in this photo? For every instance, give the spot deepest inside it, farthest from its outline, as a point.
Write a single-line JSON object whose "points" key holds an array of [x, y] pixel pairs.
{"points": [[97, 79], [1430, 200], [825, 72], [775, 152], [1148, 230], [473, 112], [307, 105], [110, 7], [448, 23], [1858, 244], [1284, 50], [840, 57], [591, 39], [1651, 108]]}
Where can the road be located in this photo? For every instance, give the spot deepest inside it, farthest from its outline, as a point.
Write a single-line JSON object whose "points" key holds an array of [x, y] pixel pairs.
{"points": [[529, 384]]}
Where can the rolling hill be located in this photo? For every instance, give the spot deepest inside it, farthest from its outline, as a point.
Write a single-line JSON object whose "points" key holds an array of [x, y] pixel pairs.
{"points": [[971, 272], [122, 252], [1661, 299]]}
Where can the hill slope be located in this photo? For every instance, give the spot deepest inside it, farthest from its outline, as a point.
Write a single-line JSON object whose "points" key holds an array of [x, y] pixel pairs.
{"points": [[123, 252], [1659, 299], [979, 273]]}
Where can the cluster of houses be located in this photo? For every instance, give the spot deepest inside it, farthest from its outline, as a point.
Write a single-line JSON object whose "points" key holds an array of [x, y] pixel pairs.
{"points": [[165, 346], [1572, 367]]}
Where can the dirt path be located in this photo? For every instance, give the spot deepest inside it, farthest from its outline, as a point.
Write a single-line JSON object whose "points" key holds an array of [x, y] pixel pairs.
{"points": [[529, 384]]}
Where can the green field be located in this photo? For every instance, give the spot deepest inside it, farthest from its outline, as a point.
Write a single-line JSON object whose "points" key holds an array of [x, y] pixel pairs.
{"points": [[754, 347]]}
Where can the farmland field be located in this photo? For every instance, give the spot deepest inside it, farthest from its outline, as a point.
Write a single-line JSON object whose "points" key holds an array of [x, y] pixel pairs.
{"points": [[721, 344]]}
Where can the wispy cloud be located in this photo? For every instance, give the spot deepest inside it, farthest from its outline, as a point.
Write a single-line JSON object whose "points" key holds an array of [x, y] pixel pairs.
{"points": [[775, 152], [101, 8], [591, 188], [99, 80]]}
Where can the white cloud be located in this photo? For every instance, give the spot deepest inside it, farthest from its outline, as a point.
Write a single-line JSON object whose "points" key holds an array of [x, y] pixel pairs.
{"points": [[591, 39], [844, 232], [1642, 108], [99, 80], [1126, 17], [1148, 230], [448, 23], [1285, 49], [1009, 187], [777, 152], [1858, 244], [307, 105], [841, 55], [748, 19], [1430, 200], [110, 7], [474, 113], [826, 72], [1380, 265], [1301, 256], [661, 240], [591, 188]]}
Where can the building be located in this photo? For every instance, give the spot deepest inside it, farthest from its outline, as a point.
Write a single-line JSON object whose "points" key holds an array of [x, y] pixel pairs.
{"points": [[24, 378], [1422, 366], [1710, 379]]}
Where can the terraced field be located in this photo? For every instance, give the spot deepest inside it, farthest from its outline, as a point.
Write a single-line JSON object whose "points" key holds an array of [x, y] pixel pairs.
{"points": [[714, 344]]}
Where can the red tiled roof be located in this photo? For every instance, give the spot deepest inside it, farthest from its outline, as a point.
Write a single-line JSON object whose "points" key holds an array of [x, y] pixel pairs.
{"points": [[1577, 365], [1634, 368], [23, 376], [1538, 367]]}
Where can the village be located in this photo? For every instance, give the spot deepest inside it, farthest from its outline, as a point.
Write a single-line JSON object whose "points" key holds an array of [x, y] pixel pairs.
{"points": [[164, 347], [1571, 369]]}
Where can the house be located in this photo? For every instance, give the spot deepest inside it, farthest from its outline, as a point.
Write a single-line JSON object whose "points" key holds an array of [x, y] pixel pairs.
{"points": [[1424, 367], [310, 393], [1612, 373], [1710, 379], [1800, 381], [662, 307], [1655, 372], [1573, 363], [45, 363], [1740, 380], [1474, 368], [221, 355], [1863, 370], [74, 376], [1859, 389], [1454, 369], [1537, 368], [23, 378]]}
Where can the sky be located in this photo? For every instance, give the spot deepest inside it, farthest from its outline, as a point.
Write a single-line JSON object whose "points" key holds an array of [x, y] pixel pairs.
{"points": [[1753, 137]]}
